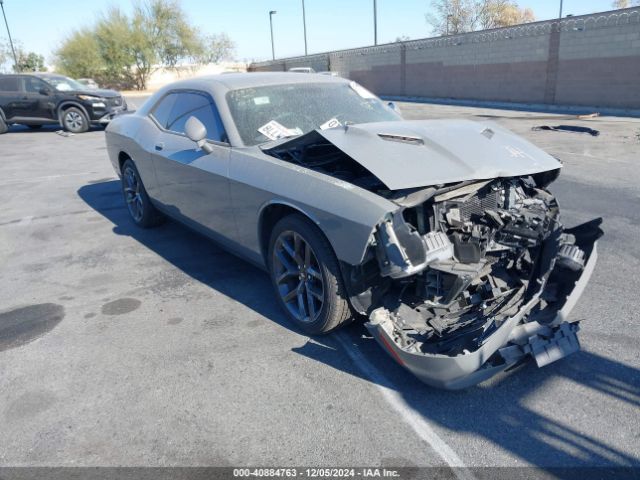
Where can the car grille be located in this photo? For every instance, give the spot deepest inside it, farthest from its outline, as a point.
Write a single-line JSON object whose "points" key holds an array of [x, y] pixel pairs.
{"points": [[477, 204]]}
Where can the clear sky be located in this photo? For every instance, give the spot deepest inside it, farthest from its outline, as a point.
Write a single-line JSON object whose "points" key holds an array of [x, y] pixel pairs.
{"points": [[40, 25]]}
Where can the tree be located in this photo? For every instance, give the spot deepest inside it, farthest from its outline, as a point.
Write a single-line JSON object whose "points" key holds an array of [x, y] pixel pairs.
{"points": [[460, 16], [80, 56], [124, 51], [5, 54], [625, 3], [26, 61], [450, 17], [502, 13], [161, 37], [217, 47], [29, 62], [113, 35]]}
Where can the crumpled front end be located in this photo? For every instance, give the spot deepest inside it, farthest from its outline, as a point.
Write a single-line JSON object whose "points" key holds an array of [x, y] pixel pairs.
{"points": [[477, 277]]}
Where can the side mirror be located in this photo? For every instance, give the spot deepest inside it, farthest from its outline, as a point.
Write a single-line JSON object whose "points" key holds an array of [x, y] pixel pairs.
{"points": [[45, 91], [197, 132], [393, 107]]}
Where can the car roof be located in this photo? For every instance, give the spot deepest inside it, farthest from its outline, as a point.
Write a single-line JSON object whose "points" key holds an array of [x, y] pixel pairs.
{"points": [[21, 74], [234, 81], [34, 74], [48, 75]]}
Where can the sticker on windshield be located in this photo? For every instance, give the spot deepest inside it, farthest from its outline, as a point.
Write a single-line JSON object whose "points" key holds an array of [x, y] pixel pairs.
{"points": [[360, 90], [273, 131], [261, 100], [333, 123]]}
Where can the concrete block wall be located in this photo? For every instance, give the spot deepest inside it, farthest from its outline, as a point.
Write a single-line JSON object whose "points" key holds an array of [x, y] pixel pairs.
{"points": [[319, 62], [589, 60], [377, 68], [600, 61], [509, 68]]}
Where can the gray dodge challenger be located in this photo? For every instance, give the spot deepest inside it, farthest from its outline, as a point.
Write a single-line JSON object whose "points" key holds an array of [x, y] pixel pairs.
{"points": [[441, 233]]}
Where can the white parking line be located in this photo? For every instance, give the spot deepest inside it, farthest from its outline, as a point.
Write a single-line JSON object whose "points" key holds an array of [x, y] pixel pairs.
{"points": [[413, 418]]}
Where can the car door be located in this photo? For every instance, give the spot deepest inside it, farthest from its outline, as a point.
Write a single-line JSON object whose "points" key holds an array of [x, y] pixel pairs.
{"points": [[39, 98], [9, 95], [193, 185]]}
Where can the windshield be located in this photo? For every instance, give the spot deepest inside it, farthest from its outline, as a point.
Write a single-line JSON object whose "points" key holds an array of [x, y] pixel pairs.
{"points": [[276, 111], [64, 84]]}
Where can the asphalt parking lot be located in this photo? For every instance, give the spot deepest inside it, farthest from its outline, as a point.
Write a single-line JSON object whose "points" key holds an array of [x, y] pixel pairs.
{"points": [[120, 346]]}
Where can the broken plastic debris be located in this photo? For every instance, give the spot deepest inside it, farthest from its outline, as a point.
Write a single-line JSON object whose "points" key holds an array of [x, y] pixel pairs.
{"points": [[568, 128], [64, 133]]}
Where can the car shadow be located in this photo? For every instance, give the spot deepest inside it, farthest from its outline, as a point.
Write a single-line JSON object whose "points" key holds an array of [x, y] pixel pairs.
{"points": [[496, 411], [46, 129]]}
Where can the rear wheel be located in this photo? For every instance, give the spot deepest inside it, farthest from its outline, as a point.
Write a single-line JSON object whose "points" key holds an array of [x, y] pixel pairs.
{"points": [[306, 276], [74, 120], [3, 126], [141, 210]]}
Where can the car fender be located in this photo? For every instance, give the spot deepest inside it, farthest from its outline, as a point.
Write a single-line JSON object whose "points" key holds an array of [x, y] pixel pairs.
{"points": [[70, 103], [346, 214], [284, 203]]}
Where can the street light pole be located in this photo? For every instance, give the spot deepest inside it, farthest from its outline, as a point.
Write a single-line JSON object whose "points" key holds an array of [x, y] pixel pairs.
{"points": [[304, 25], [273, 51], [13, 50], [560, 9], [375, 22]]}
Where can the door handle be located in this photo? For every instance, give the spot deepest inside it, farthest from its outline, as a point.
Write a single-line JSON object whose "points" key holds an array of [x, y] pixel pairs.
{"points": [[159, 146]]}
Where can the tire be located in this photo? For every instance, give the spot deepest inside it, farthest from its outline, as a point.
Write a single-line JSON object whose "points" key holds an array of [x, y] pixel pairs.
{"points": [[35, 127], [140, 208], [74, 120], [3, 126], [313, 278]]}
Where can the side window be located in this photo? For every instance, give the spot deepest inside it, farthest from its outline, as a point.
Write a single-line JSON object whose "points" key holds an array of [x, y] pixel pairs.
{"points": [[9, 84], [198, 105], [163, 108], [33, 85]]}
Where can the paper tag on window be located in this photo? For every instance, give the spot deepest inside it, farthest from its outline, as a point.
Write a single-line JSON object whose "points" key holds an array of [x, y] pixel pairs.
{"points": [[261, 100], [273, 130], [360, 90], [333, 123]]}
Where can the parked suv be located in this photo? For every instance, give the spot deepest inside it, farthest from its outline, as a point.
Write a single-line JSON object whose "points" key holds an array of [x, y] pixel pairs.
{"points": [[38, 99]]}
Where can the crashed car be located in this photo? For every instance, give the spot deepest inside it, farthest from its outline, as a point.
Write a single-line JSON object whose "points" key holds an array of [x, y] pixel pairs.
{"points": [[441, 232]]}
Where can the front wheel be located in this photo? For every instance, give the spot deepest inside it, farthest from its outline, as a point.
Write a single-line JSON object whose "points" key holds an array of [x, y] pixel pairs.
{"points": [[74, 120], [306, 276], [3, 126]]}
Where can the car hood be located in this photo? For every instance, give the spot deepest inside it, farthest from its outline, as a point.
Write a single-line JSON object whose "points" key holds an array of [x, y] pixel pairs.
{"points": [[98, 92], [410, 154]]}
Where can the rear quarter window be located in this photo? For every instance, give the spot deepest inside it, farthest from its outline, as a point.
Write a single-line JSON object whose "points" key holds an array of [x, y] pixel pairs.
{"points": [[9, 84]]}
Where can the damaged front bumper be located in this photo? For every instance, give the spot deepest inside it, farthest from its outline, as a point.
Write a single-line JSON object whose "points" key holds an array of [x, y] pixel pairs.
{"points": [[546, 340], [107, 117]]}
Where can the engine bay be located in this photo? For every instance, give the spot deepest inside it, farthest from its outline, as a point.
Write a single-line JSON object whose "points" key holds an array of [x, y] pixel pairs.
{"points": [[467, 259]]}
